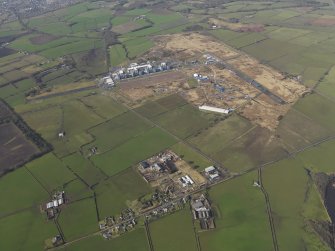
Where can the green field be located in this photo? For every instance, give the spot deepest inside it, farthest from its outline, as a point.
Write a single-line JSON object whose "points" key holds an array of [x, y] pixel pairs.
{"points": [[71, 48], [83, 42], [137, 46], [104, 106], [191, 156], [17, 183], [83, 168], [215, 138], [177, 227], [26, 230], [314, 158], [50, 172], [326, 86], [117, 193], [293, 203], [240, 217], [133, 151], [319, 109], [134, 240], [93, 61], [117, 131], [184, 121], [78, 218], [297, 130], [117, 55]]}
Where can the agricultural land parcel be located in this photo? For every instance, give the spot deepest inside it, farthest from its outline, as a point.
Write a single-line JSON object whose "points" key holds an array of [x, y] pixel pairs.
{"points": [[297, 41]]}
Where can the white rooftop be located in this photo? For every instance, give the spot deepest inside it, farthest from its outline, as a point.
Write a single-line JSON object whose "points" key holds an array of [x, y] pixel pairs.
{"points": [[214, 109], [210, 169]]}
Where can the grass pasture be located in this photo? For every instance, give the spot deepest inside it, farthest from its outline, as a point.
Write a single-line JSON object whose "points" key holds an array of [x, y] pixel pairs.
{"points": [[60, 118], [46, 122], [25, 43], [104, 106], [177, 227], [319, 109], [83, 168], [296, 130], [184, 121], [117, 131], [118, 192], [71, 48], [255, 148], [326, 86], [191, 156], [240, 216], [134, 240], [78, 218], [117, 55], [77, 190], [315, 160], [292, 202], [26, 230], [133, 151], [50, 172], [137, 46], [17, 182], [92, 61], [151, 109], [220, 135]]}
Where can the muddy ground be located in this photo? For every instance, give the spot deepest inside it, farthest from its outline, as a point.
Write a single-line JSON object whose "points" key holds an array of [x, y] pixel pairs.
{"points": [[6, 52], [238, 94], [141, 88], [15, 148]]}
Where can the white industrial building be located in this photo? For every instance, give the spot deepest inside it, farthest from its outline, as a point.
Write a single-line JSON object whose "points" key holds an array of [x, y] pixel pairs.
{"points": [[186, 181], [215, 109]]}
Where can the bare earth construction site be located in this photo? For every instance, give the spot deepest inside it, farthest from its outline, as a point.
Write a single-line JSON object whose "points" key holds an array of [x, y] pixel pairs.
{"points": [[222, 69]]}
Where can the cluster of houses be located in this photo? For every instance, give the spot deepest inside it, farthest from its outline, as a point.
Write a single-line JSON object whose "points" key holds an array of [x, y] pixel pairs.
{"points": [[135, 70], [112, 226], [153, 167], [202, 211], [107, 82], [141, 17], [166, 208], [52, 207]]}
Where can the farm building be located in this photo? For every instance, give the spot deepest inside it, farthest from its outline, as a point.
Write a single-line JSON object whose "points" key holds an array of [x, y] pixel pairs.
{"points": [[202, 211], [212, 173], [58, 199]]}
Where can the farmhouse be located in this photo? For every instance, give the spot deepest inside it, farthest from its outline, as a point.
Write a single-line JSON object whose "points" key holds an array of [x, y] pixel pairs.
{"points": [[202, 211], [212, 173], [108, 81], [61, 134], [58, 199]]}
